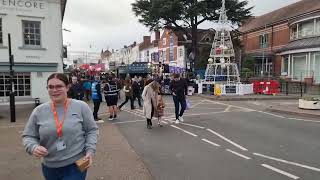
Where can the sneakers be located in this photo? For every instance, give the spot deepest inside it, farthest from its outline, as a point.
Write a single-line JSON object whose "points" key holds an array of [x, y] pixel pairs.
{"points": [[181, 119], [110, 118], [177, 121], [99, 121], [115, 117]]}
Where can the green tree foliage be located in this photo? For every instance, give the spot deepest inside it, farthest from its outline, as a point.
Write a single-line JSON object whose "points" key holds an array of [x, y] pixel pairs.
{"points": [[187, 15], [248, 67]]}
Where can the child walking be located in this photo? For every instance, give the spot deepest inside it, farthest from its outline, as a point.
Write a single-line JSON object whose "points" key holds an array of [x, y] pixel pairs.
{"points": [[160, 109]]}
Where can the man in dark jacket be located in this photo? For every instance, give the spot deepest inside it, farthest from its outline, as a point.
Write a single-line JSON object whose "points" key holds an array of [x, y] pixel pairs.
{"points": [[136, 91], [76, 90], [179, 89]]}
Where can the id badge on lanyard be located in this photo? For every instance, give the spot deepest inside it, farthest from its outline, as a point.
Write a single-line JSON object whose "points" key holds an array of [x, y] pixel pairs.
{"points": [[61, 145]]}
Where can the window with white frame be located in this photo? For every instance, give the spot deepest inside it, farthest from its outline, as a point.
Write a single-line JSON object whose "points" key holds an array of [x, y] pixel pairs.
{"points": [[22, 84], [299, 66], [31, 33], [164, 41], [317, 28], [180, 52], [315, 64], [285, 66], [1, 37], [263, 40]]}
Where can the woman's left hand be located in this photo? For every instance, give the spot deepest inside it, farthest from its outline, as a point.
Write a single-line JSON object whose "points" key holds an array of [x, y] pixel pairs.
{"points": [[89, 156]]}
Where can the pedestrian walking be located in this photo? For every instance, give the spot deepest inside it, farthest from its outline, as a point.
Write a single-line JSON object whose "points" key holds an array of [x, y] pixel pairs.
{"points": [[111, 91], [160, 108], [60, 132], [96, 98], [76, 90], [149, 96], [179, 89], [129, 93], [136, 91], [87, 89]]}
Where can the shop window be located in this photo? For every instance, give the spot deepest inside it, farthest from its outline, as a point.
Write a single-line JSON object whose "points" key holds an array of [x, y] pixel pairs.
{"points": [[285, 66], [299, 66], [1, 37], [31, 33], [22, 84]]}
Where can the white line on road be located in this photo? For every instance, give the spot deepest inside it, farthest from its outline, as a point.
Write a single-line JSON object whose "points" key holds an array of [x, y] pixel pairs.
{"points": [[187, 115], [280, 171], [271, 114], [212, 143], [238, 154], [227, 109], [192, 125], [198, 103], [297, 119], [164, 122], [190, 133], [12, 126], [288, 162], [228, 140], [124, 122]]}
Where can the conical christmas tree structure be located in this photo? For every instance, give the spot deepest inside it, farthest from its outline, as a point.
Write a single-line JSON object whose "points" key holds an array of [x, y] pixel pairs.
{"points": [[221, 68]]}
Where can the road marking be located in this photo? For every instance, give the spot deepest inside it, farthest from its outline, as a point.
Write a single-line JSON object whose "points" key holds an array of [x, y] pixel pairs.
{"points": [[220, 103], [192, 125], [271, 114], [297, 119], [12, 126], [187, 115], [227, 109], [288, 162], [228, 140], [124, 122], [197, 103], [190, 133], [212, 143], [238, 154], [280, 171]]}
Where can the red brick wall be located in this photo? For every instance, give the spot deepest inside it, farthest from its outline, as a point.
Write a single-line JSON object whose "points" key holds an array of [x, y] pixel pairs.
{"points": [[277, 65]]}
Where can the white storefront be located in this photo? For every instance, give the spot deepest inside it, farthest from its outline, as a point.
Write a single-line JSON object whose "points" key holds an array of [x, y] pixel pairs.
{"points": [[36, 37]]}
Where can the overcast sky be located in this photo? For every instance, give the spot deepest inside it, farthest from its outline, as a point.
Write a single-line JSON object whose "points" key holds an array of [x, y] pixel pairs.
{"points": [[111, 24]]}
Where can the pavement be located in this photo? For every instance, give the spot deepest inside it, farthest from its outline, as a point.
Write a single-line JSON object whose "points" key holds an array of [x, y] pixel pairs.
{"points": [[114, 160]]}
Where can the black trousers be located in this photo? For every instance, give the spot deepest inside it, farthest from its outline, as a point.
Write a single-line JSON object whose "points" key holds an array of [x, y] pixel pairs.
{"points": [[139, 99], [96, 106], [127, 99], [149, 122], [178, 102]]}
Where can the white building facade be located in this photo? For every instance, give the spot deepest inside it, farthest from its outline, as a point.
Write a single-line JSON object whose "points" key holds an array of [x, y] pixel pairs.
{"points": [[36, 37]]}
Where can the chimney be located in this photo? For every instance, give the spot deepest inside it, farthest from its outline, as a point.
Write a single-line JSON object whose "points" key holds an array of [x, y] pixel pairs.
{"points": [[157, 35], [146, 40], [134, 43]]}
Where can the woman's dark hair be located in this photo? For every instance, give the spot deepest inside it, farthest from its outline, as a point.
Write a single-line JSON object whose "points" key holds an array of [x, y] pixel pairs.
{"points": [[60, 76]]}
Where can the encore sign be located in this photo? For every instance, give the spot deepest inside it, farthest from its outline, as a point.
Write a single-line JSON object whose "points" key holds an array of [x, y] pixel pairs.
{"points": [[22, 4]]}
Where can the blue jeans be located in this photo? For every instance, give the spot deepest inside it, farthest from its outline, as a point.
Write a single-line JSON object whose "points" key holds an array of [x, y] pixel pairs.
{"points": [[70, 172], [183, 104]]}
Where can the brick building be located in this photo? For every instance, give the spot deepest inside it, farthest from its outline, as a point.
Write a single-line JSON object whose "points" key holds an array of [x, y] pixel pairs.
{"points": [[286, 42]]}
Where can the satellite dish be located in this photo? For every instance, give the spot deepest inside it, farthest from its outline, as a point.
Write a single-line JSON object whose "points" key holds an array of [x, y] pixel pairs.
{"points": [[210, 60]]}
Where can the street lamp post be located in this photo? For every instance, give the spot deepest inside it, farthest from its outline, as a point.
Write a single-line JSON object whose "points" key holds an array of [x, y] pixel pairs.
{"points": [[12, 93]]}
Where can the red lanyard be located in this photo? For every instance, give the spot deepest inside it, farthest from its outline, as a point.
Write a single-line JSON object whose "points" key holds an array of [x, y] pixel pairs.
{"points": [[59, 124]]}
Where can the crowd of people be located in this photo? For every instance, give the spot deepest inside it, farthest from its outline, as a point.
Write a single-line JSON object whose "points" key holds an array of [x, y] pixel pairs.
{"points": [[64, 132]]}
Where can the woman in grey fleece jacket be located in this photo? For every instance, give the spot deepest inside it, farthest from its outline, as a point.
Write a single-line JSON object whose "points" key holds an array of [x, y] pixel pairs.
{"points": [[61, 132]]}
